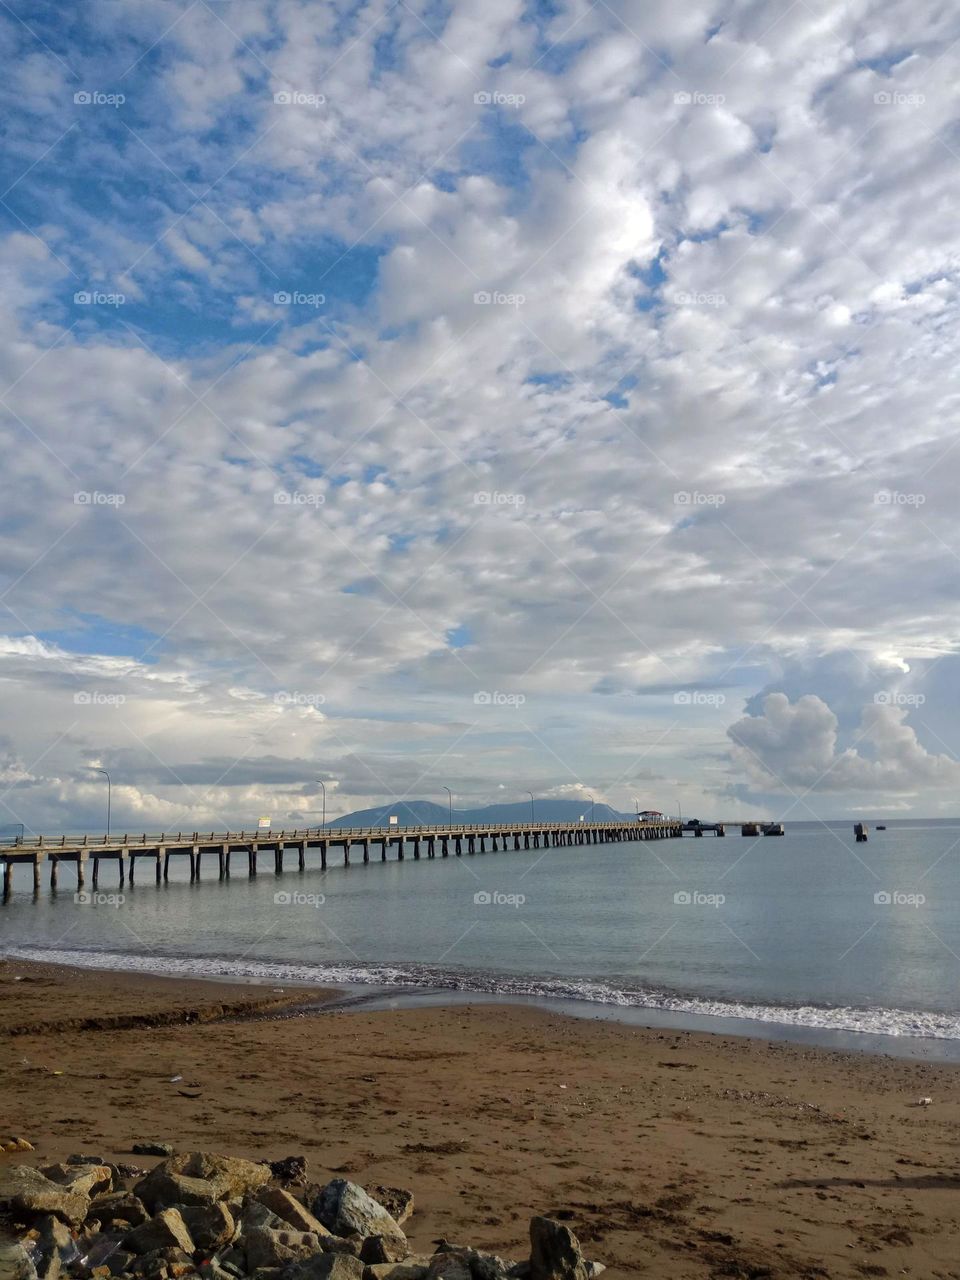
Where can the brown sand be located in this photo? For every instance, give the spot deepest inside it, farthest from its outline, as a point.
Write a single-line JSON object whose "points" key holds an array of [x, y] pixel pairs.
{"points": [[675, 1155]]}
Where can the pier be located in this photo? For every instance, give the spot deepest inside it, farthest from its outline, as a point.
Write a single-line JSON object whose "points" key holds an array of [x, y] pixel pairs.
{"points": [[84, 854]]}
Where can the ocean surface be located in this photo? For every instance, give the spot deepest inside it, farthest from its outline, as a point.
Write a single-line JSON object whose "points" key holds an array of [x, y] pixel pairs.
{"points": [[810, 934]]}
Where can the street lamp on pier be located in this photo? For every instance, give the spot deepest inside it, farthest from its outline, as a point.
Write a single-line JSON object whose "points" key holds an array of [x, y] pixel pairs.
{"points": [[533, 816], [109, 790], [449, 805]]}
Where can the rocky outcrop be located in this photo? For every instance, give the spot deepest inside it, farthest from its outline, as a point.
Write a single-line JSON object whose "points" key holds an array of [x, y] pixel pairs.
{"points": [[204, 1216]]}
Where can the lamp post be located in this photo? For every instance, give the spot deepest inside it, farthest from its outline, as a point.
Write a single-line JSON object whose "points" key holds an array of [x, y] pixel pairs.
{"points": [[323, 811], [592, 803], [533, 816], [109, 790], [449, 805]]}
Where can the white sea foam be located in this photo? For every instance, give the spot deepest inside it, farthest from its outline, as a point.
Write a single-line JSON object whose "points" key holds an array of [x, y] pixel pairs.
{"points": [[872, 1021]]}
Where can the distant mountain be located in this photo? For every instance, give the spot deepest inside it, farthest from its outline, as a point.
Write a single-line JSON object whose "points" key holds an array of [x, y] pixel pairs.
{"points": [[425, 813]]}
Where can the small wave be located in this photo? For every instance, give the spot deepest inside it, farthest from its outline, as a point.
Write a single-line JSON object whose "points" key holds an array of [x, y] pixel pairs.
{"points": [[871, 1021]]}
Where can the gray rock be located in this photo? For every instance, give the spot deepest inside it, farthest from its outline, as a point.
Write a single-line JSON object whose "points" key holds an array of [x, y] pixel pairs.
{"points": [[91, 1179], [56, 1248], [15, 1262], [199, 1177], [379, 1249], [288, 1207], [397, 1201], [344, 1207], [327, 1266], [86, 1160], [289, 1170], [26, 1194], [120, 1209], [211, 1226], [255, 1214], [555, 1252], [266, 1248], [449, 1266], [152, 1148], [165, 1230], [395, 1271]]}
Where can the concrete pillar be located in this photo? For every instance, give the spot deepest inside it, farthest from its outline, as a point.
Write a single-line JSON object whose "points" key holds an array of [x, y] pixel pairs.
{"points": [[323, 855]]}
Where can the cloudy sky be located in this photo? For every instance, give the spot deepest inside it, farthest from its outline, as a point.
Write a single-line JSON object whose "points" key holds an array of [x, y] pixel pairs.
{"points": [[481, 394]]}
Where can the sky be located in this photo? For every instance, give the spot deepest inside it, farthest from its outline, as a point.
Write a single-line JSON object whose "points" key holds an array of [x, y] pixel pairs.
{"points": [[485, 395]]}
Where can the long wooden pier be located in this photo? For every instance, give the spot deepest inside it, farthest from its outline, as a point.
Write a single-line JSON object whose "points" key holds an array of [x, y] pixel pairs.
{"points": [[83, 852]]}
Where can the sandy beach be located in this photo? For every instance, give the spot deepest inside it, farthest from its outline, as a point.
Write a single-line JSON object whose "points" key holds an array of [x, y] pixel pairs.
{"points": [[670, 1154]]}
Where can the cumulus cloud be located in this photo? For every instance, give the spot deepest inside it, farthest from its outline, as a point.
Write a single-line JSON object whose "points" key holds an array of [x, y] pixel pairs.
{"points": [[566, 355], [795, 746]]}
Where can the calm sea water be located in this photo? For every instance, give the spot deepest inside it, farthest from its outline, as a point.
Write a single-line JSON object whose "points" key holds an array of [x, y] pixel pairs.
{"points": [[811, 930]]}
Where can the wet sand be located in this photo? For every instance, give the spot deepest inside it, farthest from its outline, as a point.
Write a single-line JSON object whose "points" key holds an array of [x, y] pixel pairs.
{"points": [[674, 1154]]}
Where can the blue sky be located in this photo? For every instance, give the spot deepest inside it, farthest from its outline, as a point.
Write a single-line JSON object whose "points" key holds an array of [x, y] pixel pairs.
{"points": [[362, 360]]}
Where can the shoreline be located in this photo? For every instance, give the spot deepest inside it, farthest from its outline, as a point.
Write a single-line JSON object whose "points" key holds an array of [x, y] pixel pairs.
{"points": [[347, 995], [678, 1154]]}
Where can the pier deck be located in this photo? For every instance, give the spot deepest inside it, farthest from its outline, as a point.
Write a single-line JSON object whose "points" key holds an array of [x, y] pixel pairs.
{"points": [[81, 853]]}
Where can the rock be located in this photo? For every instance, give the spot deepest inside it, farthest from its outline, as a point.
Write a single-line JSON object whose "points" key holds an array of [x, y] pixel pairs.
{"points": [[397, 1201], [15, 1262], [120, 1262], [211, 1226], [56, 1246], [121, 1209], [165, 1230], [266, 1248], [555, 1252], [289, 1170], [199, 1177], [255, 1214], [327, 1266], [26, 1194], [152, 1148], [289, 1208], [86, 1160], [395, 1271], [91, 1179], [379, 1249], [344, 1207], [15, 1144], [449, 1266]]}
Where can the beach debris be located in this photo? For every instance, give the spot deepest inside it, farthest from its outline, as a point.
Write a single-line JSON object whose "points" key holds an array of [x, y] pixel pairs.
{"points": [[289, 1170], [924, 1102], [397, 1201], [152, 1149], [217, 1217], [175, 1079], [15, 1144]]}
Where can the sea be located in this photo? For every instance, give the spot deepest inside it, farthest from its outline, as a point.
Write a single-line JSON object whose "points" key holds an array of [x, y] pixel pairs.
{"points": [[810, 936]]}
